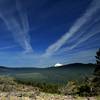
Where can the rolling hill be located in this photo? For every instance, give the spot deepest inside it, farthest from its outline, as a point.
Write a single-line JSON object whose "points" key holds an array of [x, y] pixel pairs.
{"points": [[58, 75]]}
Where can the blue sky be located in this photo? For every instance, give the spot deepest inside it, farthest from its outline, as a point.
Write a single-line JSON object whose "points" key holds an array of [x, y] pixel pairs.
{"points": [[40, 33]]}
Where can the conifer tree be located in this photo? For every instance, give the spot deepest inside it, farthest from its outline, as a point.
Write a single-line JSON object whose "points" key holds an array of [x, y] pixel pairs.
{"points": [[96, 79], [97, 69]]}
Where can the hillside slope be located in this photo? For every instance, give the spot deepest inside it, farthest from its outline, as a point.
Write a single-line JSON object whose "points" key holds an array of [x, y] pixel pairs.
{"points": [[57, 75]]}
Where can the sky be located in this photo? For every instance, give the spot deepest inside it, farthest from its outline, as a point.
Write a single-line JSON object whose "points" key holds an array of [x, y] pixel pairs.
{"points": [[41, 33]]}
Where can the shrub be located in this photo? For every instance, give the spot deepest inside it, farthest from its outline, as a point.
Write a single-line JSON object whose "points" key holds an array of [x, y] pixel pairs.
{"points": [[43, 86], [70, 88], [84, 90], [7, 84]]}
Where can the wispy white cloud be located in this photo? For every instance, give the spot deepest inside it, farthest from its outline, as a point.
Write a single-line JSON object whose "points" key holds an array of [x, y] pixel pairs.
{"points": [[87, 56], [32, 60], [85, 18], [7, 47], [84, 29], [18, 25], [90, 34]]}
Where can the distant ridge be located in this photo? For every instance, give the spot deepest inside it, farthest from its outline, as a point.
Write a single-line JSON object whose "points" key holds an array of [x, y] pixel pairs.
{"points": [[10, 70], [63, 65], [75, 65]]}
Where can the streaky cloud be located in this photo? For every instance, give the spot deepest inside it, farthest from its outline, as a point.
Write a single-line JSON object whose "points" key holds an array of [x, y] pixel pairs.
{"points": [[7, 47], [90, 34], [84, 29], [85, 18], [17, 24]]}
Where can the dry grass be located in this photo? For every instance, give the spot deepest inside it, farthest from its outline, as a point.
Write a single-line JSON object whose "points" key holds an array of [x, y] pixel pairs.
{"points": [[45, 96]]}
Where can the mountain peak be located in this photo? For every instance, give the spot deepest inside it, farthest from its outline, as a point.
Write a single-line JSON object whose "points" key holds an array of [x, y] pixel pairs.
{"points": [[58, 65]]}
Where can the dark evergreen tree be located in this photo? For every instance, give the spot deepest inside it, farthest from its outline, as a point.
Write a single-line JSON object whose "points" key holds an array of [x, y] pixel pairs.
{"points": [[96, 79], [97, 70]]}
